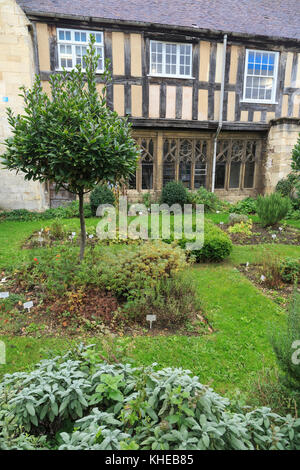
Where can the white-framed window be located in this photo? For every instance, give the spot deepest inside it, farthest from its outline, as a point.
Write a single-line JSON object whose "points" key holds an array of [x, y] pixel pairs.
{"points": [[72, 46], [260, 79], [170, 59]]}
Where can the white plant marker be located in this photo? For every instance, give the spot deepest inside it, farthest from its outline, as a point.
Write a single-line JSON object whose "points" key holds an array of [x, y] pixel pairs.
{"points": [[28, 305], [221, 223], [4, 295], [273, 236], [262, 278], [151, 318], [247, 264], [3, 280], [217, 212], [91, 236]]}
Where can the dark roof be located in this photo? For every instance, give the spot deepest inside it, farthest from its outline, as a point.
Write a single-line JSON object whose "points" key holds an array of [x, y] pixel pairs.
{"points": [[277, 18]]}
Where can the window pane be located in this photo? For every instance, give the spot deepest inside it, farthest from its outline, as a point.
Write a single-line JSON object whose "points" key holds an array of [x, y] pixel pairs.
{"points": [[168, 172], [260, 73], [185, 174], [220, 175], [132, 181], [147, 175], [68, 35], [200, 175], [234, 180], [61, 35], [249, 174]]}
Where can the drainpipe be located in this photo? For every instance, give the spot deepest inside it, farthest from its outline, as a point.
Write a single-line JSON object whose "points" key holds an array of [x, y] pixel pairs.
{"points": [[220, 115]]}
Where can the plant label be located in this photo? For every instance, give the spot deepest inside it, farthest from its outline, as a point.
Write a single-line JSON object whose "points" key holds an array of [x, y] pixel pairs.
{"points": [[3, 279], [28, 305], [151, 318], [4, 295], [91, 236]]}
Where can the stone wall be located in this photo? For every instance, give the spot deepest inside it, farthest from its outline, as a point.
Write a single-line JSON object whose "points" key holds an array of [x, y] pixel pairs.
{"points": [[283, 135], [16, 69]]}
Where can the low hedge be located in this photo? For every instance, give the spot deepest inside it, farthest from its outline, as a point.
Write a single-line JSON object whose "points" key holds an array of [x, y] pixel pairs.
{"points": [[63, 212], [217, 244]]}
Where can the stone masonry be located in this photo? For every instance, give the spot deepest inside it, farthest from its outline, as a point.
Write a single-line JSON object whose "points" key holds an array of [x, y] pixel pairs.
{"points": [[16, 69]]}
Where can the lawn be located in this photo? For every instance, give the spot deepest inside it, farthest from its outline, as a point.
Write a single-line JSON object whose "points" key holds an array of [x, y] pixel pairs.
{"points": [[241, 316]]}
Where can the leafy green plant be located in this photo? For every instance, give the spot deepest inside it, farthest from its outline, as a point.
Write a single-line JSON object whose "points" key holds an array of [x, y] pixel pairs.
{"points": [[290, 269], [174, 193], [63, 212], [246, 206], [244, 228], [235, 218], [296, 156], [286, 347], [72, 138], [135, 269], [217, 244], [102, 194], [167, 409], [271, 209], [210, 200]]}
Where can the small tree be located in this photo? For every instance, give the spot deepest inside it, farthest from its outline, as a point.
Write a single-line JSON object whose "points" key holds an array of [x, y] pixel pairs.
{"points": [[72, 138]]}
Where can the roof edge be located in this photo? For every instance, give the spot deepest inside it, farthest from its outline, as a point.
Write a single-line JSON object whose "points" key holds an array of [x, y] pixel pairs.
{"points": [[33, 15]]}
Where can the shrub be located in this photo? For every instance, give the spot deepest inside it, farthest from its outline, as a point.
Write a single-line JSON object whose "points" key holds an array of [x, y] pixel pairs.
{"points": [[235, 218], [217, 244], [135, 269], [174, 193], [243, 228], [290, 269], [285, 343], [63, 212], [271, 209], [286, 186], [102, 194], [173, 301], [135, 408], [246, 206], [210, 201]]}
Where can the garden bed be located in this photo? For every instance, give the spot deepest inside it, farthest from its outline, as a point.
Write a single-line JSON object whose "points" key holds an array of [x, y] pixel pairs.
{"points": [[281, 293], [277, 234], [81, 313]]}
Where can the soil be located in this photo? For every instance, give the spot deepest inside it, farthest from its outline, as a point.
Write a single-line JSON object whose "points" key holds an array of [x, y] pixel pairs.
{"points": [[286, 236]]}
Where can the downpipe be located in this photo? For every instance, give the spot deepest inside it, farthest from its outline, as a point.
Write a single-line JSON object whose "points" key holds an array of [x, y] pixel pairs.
{"points": [[220, 123]]}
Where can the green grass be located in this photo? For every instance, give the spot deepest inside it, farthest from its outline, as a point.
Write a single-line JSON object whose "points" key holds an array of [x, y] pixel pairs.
{"points": [[239, 313], [294, 223]]}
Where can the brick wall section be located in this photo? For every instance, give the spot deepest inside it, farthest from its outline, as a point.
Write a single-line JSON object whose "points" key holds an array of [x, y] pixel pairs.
{"points": [[16, 69]]}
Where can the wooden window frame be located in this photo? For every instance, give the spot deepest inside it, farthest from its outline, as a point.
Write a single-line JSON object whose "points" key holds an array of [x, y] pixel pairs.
{"points": [[73, 43]]}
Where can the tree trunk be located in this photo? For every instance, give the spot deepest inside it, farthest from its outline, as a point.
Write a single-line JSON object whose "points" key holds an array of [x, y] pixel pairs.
{"points": [[82, 227]]}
